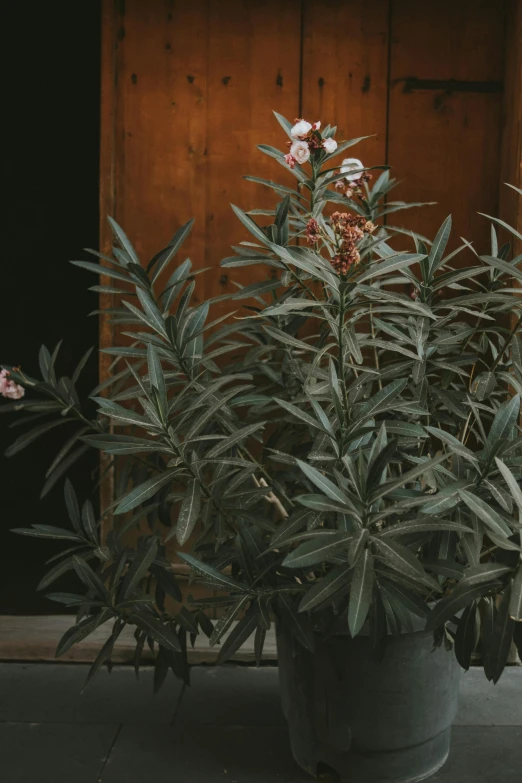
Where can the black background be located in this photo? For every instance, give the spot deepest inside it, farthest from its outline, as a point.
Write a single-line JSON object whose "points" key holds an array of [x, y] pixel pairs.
{"points": [[51, 99]]}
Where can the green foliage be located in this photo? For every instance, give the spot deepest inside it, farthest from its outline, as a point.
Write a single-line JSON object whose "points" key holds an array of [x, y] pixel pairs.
{"points": [[345, 453]]}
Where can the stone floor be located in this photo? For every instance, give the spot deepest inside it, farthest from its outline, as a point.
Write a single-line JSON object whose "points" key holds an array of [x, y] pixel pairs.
{"points": [[226, 728]]}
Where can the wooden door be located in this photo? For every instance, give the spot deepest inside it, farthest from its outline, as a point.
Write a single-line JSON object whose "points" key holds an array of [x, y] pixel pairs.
{"points": [[189, 89]]}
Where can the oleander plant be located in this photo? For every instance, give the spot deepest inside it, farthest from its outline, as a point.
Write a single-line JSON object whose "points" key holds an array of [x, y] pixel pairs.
{"points": [[340, 453]]}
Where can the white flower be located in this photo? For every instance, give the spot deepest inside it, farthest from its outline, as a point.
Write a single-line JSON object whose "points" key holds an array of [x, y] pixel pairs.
{"points": [[330, 145], [316, 125], [351, 165], [300, 129], [300, 151]]}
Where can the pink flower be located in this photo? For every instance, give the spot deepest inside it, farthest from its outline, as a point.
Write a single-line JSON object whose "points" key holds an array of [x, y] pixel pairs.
{"points": [[301, 129], [330, 145], [316, 125], [8, 388], [290, 160], [300, 151]]}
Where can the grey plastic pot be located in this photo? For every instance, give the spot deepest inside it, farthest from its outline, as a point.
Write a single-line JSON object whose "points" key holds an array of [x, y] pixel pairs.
{"points": [[370, 721]]}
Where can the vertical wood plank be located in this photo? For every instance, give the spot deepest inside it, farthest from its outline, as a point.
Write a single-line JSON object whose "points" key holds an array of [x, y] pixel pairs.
{"points": [[253, 65], [444, 144], [511, 157], [345, 70]]}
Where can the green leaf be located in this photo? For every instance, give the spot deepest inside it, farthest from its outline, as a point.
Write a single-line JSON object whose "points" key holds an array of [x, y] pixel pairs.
{"points": [[64, 465], [81, 364], [500, 642], [485, 573], [320, 503], [463, 595], [456, 446], [423, 525], [297, 520], [439, 246], [418, 470], [153, 312], [515, 603], [466, 637], [156, 377], [123, 444], [323, 483], [90, 578], [221, 581], [163, 259], [409, 600], [393, 263], [245, 628], [509, 228], [124, 241], [250, 225], [320, 548], [504, 421], [382, 398], [189, 511], [30, 436], [361, 592], [73, 509], [80, 631], [47, 531], [401, 559], [299, 414], [102, 270], [284, 123], [144, 491], [232, 440], [224, 622], [512, 483], [325, 588], [143, 560], [487, 514], [159, 631]]}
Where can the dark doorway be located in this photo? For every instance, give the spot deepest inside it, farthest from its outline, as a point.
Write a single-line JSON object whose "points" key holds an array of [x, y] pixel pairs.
{"points": [[52, 80]]}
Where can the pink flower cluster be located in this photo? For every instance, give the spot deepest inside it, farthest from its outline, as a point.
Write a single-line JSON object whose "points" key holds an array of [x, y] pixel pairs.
{"points": [[8, 388], [307, 139]]}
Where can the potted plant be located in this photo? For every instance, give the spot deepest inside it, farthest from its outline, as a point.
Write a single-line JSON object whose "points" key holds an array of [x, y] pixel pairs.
{"points": [[339, 456]]}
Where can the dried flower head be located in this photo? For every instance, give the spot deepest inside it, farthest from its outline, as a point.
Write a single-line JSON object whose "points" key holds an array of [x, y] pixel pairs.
{"points": [[348, 230], [312, 231]]}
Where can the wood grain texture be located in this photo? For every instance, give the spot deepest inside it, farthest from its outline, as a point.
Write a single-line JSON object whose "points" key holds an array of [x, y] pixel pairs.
{"points": [[511, 158], [36, 639], [345, 70], [445, 145]]}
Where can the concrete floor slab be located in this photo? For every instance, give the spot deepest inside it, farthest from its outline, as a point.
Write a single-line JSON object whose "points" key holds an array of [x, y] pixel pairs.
{"points": [[261, 754], [485, 704], [483, 755], [232, 695], [210, 754], [51, 693], [54, 752]]}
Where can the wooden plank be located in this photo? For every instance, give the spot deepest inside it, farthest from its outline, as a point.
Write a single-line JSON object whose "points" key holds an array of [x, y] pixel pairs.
{"points": [[345, 70], [189, 92], [35, 639], [511, 157], [253, 65], [444, 144]]}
